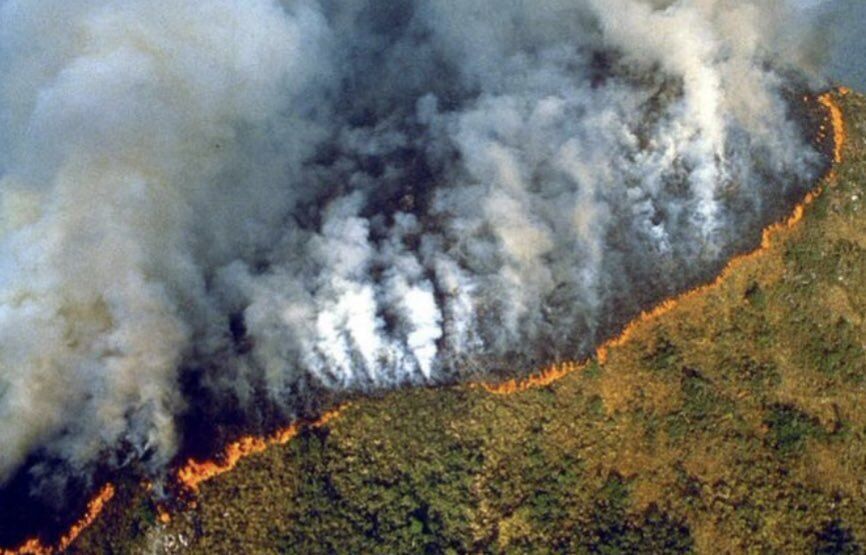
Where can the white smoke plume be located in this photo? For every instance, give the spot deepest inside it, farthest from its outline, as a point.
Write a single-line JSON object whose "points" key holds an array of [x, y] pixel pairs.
{"points": [[282, 197]]}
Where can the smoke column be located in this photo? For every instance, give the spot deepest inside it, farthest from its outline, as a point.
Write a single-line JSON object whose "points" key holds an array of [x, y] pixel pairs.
{"points": [[260, 201]]}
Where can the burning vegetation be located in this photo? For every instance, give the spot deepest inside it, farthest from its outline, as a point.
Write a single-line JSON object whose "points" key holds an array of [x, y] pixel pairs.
{"points": [[730, 422], [95, 506], [193, 473], [834, 120], [218, 218]]}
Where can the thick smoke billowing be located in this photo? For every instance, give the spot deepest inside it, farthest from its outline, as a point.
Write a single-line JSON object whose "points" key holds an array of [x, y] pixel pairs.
{"points": [[313, 195]]}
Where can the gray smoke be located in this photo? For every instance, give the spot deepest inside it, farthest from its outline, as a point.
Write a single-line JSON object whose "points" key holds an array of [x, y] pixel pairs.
{"points": [[352, 194], [843, 39]]}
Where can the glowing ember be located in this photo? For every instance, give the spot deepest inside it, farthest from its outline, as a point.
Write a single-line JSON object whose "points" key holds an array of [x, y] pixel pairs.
{"points": [[94, 507], [193, 473], [559, 371]]}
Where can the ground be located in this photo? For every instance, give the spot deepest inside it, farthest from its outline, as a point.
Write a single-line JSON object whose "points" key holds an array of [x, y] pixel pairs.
{"points": [[732, 422]]}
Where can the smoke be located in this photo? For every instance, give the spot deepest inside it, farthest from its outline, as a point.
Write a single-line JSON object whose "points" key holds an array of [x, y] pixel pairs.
{"points": [[843, 46], [273, 199]]}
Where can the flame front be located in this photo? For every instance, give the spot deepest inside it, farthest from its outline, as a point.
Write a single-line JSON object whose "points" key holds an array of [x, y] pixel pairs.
{"points": [[194, 472], [34, 546], [558, 371], [837, 121]]}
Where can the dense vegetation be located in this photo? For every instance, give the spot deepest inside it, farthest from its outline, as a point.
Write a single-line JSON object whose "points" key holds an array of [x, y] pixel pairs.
{"points": [[732, 422]]}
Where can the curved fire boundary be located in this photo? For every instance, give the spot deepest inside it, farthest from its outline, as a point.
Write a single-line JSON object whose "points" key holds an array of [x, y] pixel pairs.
{"points": [[193, 473], [556, 372]]}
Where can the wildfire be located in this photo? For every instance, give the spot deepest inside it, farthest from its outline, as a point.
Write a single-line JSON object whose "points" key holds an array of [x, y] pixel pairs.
{"points": [[35, 546], [193, 473], [837, 122], [559, 371], [552, 373]]}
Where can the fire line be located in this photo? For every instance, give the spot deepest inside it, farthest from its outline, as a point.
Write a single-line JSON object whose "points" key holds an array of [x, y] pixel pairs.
{"points": [[193, 473], [556, 372], [34, 546]]}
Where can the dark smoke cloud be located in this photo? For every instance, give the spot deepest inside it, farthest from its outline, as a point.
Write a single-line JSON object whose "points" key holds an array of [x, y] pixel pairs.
{"points": [[354, 194]]}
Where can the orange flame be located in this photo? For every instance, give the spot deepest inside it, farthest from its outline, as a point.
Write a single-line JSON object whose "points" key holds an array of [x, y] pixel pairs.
{"points": [[549, 375], [837, 121], [558, 371], [35, 546], [193, 473]]}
